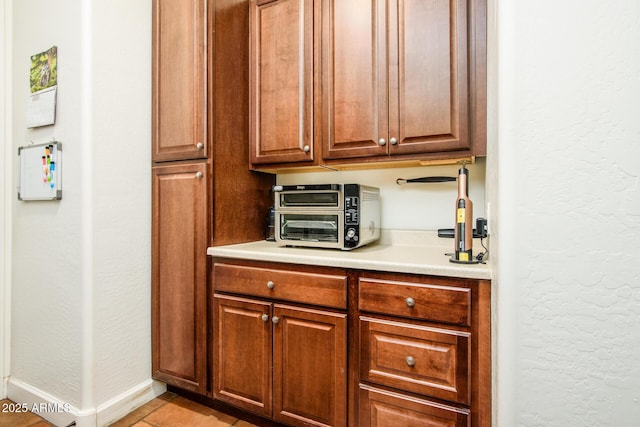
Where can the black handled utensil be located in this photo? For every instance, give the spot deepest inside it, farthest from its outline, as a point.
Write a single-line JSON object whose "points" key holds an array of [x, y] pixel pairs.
{"points": [[401, 181]]}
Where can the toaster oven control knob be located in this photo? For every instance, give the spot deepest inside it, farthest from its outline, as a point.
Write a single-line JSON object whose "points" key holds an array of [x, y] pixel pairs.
{"points": [[270, 284], [351, 233]]}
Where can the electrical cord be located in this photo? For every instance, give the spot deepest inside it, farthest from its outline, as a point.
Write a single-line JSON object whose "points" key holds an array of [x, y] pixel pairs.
{"points": [[482, 256]]}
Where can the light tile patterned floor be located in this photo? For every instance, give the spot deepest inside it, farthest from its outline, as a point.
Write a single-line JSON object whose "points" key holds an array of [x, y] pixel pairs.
{"points": [[168, 410]]}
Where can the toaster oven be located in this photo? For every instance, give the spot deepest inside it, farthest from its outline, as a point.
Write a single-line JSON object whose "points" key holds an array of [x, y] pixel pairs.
{"points": [[339, 216]]}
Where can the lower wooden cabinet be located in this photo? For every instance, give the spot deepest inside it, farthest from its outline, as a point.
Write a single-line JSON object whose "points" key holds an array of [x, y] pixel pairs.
{"points": [[421, 364], [379, 408], [322, 346], [281, 361], [420, 359], [179, 274]]}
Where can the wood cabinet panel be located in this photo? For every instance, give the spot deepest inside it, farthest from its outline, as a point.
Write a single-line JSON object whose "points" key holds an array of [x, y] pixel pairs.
{"points": [[179, 244], [395, 78], [381, 408], [281, 81], [234, 221], [429, 101], [354, 108], [242, 353], [179, 80], [425, 360], [423, 301], [310, 351], [311, 288]]}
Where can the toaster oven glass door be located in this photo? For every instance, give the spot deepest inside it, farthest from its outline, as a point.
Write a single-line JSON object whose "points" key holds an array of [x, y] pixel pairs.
{"points": [[310, 227], [318, 199]]}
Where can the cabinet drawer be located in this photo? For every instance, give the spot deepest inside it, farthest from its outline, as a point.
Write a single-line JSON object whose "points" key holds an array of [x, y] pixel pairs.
{"points": [[380, 408], [308, 288], [423, 301], [420, 359]]}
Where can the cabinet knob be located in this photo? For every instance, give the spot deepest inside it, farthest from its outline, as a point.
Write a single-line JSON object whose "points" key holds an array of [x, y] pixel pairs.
{"points": [[382, 142], [199, 145], [265, 317], [410, 302], [306, 149], [411, 361], [393, 141], [270, 284], [199, 175], [275, 320]]}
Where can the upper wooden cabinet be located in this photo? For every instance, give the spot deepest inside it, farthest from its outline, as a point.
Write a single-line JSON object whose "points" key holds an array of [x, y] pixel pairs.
{"points": [[179, 80], [281, 81], [392, 79], [395, 77]]}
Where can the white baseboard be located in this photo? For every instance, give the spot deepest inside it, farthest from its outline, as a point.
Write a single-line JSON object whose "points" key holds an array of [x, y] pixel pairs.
{"points": [[62, 414]]}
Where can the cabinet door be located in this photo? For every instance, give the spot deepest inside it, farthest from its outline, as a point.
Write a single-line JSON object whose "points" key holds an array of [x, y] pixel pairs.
{"points": [[354, 106], [428, 76], [179, 80], [281, 81], [179, 278], [310, 367], [380, 408], [242, 353]]}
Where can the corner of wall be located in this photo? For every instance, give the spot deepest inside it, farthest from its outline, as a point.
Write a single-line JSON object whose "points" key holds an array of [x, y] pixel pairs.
{"points": [[5, 194]]}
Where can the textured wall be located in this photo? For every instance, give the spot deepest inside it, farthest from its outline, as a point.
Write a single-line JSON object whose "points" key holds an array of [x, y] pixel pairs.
{"points": [[47, 269], [569, 130], [121, 108], [81, 266], [4, 147]]}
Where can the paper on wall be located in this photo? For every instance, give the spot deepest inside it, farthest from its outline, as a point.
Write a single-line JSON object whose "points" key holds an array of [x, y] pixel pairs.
{"points": [[43, 81]]}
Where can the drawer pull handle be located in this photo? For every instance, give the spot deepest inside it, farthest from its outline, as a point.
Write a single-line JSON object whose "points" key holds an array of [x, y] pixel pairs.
{"points": [[270, 284], [275, 320], [410, 302], [265, 317], [411, 361]]}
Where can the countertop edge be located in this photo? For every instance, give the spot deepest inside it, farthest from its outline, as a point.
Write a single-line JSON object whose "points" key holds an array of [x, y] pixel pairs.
{"points": [[424, 259]]}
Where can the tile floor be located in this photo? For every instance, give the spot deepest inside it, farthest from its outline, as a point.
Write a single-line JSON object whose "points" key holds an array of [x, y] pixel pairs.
{"points": [[168, 410]]}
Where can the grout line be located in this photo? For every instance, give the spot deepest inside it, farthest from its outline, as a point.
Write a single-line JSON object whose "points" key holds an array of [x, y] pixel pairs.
{"points": [[166, 402]]}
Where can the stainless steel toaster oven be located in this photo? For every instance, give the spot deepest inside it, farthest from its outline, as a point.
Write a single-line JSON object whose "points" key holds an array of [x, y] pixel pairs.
{"points": [[340, 216]]}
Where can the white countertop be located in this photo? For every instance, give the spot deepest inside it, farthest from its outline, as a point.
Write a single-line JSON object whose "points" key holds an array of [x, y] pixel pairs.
{"points": [[417, 252]]}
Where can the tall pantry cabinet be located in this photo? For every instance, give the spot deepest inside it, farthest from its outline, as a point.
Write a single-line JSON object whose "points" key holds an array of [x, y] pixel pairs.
{"points": [[200, 181]]}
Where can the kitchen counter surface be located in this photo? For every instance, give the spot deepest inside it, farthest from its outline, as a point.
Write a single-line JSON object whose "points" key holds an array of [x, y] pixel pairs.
{"points": [[417, 252]]}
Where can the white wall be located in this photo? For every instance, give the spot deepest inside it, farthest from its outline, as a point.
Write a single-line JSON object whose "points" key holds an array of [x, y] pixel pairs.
{"points": [[4, 219], [568, 221], [409, 206], [81, 266]]}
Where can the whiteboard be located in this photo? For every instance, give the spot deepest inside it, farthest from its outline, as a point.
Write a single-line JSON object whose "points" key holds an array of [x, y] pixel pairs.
{"points": [[40, 171]]}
